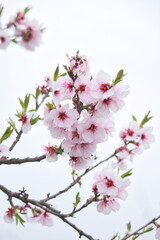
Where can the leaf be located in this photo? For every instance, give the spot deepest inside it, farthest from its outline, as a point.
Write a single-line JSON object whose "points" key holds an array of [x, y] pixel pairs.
{"points": [[63, 74], [34, 120], [133, 238], [50, 106], [32, 110], [6, 134], [127, 174], [26, 101], [26, 10], [11, 123], [1, 9], [129, 227], [65, 67], [134, 118], [119, 77], [18, 114], [77, 200], [60, 150], [19, 219], [21, 102], [37, 93], [56, 73], [148, 229], [14, 41], [145, 119], [114, 237]]}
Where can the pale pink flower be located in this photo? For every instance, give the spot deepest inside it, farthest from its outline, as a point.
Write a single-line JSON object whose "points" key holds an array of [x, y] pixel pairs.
{"points": [[79, 65], [4, 39], [79, 163], [31, 33], [146, 137], [49, 82], [82, 84], [51, 153], [65, 117], [100, 86], [26, 125], [157, 236], [108, 183], [9, 217], [93, 131], [4, 151], [134, 151], [121, 164], [106, 206], [130, 133], [114, 102], [45, 219], [122, 193]]}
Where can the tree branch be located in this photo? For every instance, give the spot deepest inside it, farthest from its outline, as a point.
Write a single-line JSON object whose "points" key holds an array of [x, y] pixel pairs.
{"points": [[46, 207], [4, 160]]}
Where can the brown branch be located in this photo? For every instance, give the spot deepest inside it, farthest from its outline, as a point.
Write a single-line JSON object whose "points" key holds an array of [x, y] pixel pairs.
{"points": [[141, 228], [16, 141], [78, 179], [4, 160], [46, 207]]}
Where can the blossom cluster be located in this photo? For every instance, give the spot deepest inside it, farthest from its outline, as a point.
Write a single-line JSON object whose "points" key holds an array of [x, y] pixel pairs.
{"points": [[107, 188], [38, 216], [21, 29], [81, 113], [135, 138]]}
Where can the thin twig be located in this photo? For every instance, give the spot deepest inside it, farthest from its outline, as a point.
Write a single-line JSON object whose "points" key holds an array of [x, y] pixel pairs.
{"points": [[141, 228], [77, 179]]}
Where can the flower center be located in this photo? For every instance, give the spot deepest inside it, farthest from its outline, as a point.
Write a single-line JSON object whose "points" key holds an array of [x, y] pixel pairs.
{"points": [[23, 119], [28, 35], [104, 87], [130, 132], [107, 101], [92, 128], [2, 39], [62, 116], [82, 88], [109, 182]]}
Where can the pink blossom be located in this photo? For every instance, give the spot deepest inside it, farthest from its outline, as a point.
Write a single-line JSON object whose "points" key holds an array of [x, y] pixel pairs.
{"points": [[157, 236], [114, 102], [79, 163], [31, 33], [146, 137], [105, 206], [100, 87], [4, 151], [82, 84], [9, 217], [4, 39], [45, 219], [26, 125], [51, 153], [65, 117], [130, 133], [79, 65], [108, 183]]}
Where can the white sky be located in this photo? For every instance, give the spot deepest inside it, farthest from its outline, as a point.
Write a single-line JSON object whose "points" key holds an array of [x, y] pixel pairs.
{"points": [[114, 34]]}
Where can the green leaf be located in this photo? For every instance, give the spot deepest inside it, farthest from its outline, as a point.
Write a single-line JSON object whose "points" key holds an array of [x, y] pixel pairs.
{"points": [[71, 215], [21, 102], [26, 101], [11, 123], [80, 182], [135, 237], [56, 73], [114, 237], [127, 174], [129, 227], [145, 119], [19, 219], [65, 67], [77, 200], [1, 9], [63, 74], [18, 114], [14, 41], [134, 118], [60, 150], [148, 229], [119, 77], [34, 120], [50, 105], [6, 134], [37, 93], [26, 10], [32, 110]]}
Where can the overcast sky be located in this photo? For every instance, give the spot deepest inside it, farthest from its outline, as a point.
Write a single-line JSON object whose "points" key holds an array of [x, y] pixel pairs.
{"points": [[113, 34]]}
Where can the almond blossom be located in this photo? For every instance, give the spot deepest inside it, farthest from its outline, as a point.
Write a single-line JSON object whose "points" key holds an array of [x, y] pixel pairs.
{"points": [[79, 65], [51, 153], [4, 39], [26, 125], [9, 217], [146, 136], [157, 236], [105, 206], [4, 151]]}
